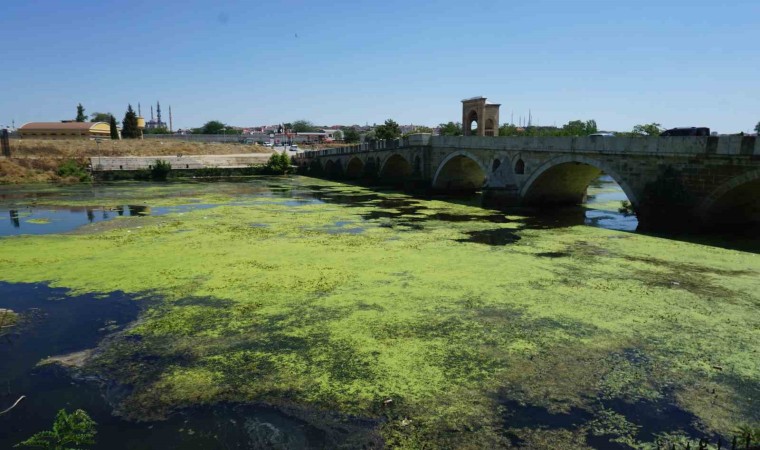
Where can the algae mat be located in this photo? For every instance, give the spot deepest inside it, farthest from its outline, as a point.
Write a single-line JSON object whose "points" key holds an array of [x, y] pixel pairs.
{"points": [[396, 310]]}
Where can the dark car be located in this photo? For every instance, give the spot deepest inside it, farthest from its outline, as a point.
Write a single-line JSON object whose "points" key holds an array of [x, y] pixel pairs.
{"points": [[687, 131]]}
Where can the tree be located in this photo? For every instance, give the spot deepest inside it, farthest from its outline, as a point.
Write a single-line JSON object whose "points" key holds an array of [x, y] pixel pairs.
{"points": [[114, 129], [350, 135], [757, 128], [278, 163], [80, 113], [129, 128], [388, 130], [338, 135], [650, 129], [211, 127], [302, 126], [100, 117], [450, 129], [69, 430], [159, 130], [508, 129]]}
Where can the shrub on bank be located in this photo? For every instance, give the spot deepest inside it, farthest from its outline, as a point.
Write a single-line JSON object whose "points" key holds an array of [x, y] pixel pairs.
{"points": [[160, 170], [73, 169]]}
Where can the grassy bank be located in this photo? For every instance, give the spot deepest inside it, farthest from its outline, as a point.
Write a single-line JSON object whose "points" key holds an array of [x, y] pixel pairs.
{"points": [[39, 161], [399, 310]]}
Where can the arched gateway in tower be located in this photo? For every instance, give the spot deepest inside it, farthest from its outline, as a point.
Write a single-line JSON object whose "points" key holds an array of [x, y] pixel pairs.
{"points": [[480, 118]]}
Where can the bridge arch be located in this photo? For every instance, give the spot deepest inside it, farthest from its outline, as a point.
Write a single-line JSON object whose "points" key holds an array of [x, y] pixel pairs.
{"points": [[460, 170], [472, 117], [333, 169], [564, 180], [354, 168], [395, 166], [735, 202]]}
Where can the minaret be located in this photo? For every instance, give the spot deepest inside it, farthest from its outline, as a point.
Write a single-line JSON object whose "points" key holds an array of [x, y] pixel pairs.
{"points": [[151, 113], [158, 112], [139, 113], [171, 127]]}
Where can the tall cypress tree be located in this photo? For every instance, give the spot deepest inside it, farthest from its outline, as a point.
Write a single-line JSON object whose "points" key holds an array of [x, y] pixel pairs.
{"points": [[80, 113], [129, 128], [114, 130]]}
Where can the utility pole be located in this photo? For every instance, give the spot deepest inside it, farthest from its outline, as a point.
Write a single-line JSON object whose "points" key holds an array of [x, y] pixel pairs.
{"points": [[5, 143]]}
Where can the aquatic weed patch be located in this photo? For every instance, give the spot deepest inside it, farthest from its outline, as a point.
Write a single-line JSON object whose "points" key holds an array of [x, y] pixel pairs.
{"points": [[428, 333]]}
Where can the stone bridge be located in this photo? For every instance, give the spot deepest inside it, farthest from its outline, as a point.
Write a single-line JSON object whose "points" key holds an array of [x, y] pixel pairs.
{"points": [[671, 182]]}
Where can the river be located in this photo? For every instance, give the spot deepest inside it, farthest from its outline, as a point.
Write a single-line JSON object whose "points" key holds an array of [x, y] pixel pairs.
{"points": [[290, 312]]}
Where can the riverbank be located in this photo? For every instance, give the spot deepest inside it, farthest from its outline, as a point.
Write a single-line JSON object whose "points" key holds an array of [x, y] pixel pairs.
{"points": [[39, 161]]}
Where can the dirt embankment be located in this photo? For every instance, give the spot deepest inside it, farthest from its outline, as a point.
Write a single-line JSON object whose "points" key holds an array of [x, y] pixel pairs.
{"points": [[37, 161]]}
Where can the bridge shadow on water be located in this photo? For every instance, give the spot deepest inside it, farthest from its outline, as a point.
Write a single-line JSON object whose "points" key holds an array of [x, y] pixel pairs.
{"points": [[598, 212]]}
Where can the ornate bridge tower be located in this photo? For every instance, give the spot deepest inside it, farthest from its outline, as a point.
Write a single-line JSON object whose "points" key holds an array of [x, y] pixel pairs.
{"points": [[480, 118]]}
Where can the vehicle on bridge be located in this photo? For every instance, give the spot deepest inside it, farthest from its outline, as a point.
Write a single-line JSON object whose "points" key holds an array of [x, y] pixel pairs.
{"points": [[687, 131]]}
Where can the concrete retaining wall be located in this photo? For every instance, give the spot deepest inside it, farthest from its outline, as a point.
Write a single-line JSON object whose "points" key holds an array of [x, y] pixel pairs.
{"points": [[185, 162]]}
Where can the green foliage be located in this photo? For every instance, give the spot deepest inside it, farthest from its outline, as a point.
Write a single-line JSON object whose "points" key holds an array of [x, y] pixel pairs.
{"points": [[70, 432], [579, 128], [302, 126], [350, 135], [113, 128], [159, 130], [100, 117], [278, 164], [757, 128], [211, 127], [508, 129], [129, 129], [388, 130], [451, 129], [73, 169], [650, 129], [81, 117], [160, 170]]}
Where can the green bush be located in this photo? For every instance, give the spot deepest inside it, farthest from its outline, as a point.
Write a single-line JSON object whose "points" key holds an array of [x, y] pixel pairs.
{"points": [[160, 170], [70, 431], [73, 169], [278, 164]]}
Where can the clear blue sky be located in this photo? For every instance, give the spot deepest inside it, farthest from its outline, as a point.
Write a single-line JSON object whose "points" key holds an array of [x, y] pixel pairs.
{"points": [[679, 63]]}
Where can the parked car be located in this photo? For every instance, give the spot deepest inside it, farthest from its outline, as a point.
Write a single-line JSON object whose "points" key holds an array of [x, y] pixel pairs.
{"points": [[294, 148], [267, 144], [602, 134], [687, 131]]}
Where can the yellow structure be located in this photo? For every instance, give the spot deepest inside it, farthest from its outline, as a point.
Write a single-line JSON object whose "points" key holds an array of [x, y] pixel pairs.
{"points": [[65, 130]]}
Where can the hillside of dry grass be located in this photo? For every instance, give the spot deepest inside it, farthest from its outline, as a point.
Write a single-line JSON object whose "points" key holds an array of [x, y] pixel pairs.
{"points": [[37, 160]]}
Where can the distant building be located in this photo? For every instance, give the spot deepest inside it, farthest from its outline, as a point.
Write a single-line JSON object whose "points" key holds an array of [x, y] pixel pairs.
{"points": [[65, 130], [154, 123]]}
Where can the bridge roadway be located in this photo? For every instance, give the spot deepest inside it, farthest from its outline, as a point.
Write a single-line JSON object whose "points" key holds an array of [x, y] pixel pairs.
{"points": [[671, 182]]}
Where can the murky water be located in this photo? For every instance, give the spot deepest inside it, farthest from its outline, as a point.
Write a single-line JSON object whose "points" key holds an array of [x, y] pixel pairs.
{"points": [[56, 323]]}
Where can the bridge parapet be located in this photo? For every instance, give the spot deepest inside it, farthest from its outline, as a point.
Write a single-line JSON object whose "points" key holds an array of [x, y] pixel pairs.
{"points": [[653, 145]]}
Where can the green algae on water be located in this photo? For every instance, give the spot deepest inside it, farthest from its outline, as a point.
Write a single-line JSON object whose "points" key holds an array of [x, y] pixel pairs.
{"points": [[410, 323]]}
